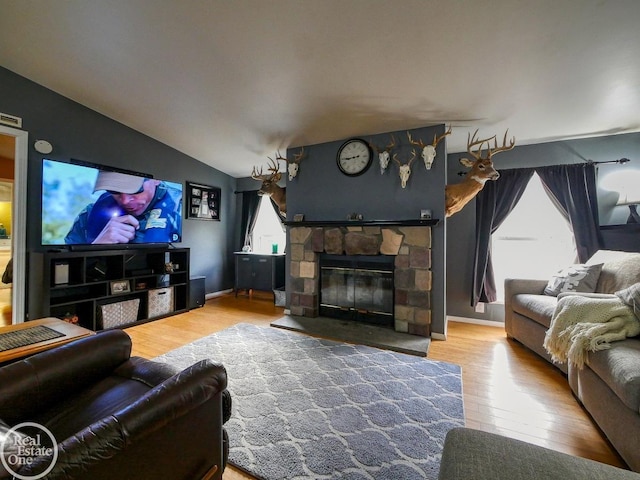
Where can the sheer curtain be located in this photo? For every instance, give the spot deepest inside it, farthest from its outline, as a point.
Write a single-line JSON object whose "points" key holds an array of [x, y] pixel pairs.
{"points": [[280, 217], [572, 188], [250, 204]]}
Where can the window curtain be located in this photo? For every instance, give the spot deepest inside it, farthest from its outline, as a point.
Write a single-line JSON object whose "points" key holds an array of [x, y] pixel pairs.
{"points": [[493, 204], [572, 189], [280, 217], [250, 204]]}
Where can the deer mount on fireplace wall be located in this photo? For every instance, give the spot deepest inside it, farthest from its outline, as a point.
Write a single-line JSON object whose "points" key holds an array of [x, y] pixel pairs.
{"points": [[481, 170], [384, 154], [293, 166], [270, 185], [405, 168], [428, 152]]}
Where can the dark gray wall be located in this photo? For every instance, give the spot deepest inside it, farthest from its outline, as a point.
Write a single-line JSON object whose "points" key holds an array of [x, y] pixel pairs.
{"points": [[461, 226], [77, 132]]}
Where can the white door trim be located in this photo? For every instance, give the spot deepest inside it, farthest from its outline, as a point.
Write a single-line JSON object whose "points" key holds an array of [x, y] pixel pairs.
{"points": [[19, 227]]}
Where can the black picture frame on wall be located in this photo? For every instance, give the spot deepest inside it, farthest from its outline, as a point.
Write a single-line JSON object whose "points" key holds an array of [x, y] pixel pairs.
{"points": [[203, 202]]}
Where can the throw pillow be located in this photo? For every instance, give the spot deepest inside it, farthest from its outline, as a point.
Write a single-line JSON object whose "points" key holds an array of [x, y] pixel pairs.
{"points": [[631, 297], [576, 278]]}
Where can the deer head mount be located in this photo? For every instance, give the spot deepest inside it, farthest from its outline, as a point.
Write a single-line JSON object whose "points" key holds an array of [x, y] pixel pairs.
{"points": [[384, 154], [270, 185], [293, 166], [429, 151], [405, 169], [458, 195]]}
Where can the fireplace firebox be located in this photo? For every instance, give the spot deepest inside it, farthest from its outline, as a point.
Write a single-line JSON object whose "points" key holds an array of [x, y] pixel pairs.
{"points": [[358, 288]]}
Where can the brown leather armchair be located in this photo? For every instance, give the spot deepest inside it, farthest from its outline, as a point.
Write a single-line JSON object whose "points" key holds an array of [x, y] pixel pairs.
{"points": [[117, 416]]}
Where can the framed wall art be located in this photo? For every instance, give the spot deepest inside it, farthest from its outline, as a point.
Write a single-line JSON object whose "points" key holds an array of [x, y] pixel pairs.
{"points": [[203, 201]]}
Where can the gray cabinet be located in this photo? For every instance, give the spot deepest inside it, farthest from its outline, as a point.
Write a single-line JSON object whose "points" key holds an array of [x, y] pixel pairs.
{"points": [[259, 272]]}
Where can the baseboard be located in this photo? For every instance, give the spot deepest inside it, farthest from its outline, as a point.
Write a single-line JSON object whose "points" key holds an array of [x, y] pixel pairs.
{"points": [[211, 295], [475, 321]]}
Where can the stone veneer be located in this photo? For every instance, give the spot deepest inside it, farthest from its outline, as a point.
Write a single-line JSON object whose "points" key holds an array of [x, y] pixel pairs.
{"points": [[411, 246]]}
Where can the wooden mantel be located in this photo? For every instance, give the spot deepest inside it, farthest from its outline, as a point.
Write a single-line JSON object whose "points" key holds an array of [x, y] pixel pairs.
{"points": [[363, 223]]}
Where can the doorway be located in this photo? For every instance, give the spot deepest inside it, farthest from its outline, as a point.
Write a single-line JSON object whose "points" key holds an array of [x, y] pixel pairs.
{"points": [[13, 186]]}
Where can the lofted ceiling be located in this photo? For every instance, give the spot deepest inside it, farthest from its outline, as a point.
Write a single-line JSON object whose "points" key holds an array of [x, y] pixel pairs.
{"points": [[230, 82]]}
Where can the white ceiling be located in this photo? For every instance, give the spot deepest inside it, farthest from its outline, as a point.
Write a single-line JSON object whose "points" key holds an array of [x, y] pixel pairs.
{"points": [[229, 82]]}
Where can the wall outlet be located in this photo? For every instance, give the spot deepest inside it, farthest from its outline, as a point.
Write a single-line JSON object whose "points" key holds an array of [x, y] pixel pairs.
{"points": [[480, 307]]}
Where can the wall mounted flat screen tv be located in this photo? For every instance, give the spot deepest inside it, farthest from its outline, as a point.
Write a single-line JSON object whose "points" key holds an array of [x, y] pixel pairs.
{"points": [[87, 204]]}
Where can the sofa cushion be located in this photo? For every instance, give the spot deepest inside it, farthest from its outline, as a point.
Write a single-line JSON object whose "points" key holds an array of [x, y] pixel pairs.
{"points": [[619, 368], [538, 308], [631, 298], [576, 278], [475, 455], [620, 270]]}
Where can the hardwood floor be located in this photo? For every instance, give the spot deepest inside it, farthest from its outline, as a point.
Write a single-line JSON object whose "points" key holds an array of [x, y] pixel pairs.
{"points": [[507, 389]]}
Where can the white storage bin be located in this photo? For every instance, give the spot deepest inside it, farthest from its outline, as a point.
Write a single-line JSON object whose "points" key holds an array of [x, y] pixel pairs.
{"points": [[118, 313], [160, 301]]}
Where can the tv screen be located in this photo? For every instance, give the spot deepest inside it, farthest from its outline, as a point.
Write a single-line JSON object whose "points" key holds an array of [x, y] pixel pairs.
{"points": [[86, 204]]}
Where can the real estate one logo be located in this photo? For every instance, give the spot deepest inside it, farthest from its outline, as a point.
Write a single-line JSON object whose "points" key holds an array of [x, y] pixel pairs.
{"points": [[26, 444]]}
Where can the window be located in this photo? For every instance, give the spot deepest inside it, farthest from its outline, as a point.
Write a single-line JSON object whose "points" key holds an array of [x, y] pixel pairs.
{"points": [[267, 230], [534, 241]]}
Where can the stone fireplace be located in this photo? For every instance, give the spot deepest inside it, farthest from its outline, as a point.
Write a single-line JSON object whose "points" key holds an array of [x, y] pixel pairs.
{"points": [[408, 242]]}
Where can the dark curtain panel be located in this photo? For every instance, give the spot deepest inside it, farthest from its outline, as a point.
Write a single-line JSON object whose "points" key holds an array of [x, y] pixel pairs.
{"points": [[572, 188], [493, 204], [250, 204]]}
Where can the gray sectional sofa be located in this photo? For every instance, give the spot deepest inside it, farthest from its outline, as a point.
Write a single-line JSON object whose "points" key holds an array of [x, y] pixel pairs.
{"points": [[474, 455], [609, 384]]}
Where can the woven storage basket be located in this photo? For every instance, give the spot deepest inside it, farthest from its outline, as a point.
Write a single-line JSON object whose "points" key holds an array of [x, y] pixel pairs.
{"points": [[119, 313], [160, 301]]}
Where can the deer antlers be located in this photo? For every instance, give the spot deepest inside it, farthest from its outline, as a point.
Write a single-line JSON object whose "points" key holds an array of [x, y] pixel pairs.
{"points": [[472, 141], [384, 154], [405, 170], [274, 168], [292, 166], [429, 151]]}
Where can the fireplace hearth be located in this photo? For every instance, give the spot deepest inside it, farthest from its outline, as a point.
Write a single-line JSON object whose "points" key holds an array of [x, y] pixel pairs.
{"points": [[358, 288]]}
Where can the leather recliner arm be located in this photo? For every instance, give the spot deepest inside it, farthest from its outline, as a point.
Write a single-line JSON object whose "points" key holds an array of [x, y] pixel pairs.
{"points": [[173, 398]]}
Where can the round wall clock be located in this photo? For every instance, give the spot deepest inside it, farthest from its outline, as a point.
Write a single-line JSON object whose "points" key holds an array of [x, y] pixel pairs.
{"points": [[354, 157]]}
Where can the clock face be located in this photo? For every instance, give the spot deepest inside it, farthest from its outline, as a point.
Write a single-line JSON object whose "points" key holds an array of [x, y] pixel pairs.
{"points": [[354, 157]]}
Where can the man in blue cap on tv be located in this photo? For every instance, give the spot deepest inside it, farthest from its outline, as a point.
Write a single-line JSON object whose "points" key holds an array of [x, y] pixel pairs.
{"points": [[133, 209]]}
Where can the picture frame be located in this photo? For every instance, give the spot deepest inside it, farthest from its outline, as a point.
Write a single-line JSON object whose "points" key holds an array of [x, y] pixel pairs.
{"points": [[120, 286], [203, 202]]}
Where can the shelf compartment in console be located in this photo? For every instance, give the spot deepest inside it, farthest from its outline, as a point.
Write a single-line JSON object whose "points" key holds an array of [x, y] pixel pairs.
{"points": [[77, 293]]}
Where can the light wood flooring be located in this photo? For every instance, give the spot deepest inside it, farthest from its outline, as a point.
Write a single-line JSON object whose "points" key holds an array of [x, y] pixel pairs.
{"points": [[507, 388]]}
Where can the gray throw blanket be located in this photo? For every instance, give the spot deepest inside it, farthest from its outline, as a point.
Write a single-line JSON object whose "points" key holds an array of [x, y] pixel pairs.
{"points": [[581, 324]]}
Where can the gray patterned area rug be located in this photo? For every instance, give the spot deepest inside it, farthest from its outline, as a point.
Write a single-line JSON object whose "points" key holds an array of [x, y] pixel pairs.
{"points": [[305, 407]]}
